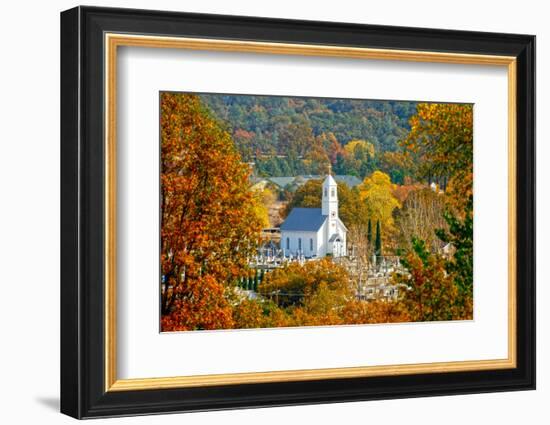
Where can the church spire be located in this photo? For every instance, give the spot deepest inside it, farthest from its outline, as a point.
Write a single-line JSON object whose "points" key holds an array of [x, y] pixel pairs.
{"points": [[330, 197]]}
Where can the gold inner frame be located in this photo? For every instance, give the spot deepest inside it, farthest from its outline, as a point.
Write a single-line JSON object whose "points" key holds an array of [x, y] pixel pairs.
{"points": [[113, 41]]}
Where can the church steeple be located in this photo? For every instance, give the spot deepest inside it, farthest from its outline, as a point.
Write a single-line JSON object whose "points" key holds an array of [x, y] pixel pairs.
{"points": [[330, 198]]}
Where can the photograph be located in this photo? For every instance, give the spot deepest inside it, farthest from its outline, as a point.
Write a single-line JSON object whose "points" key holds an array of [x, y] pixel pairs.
{"points": [[286, 211]]}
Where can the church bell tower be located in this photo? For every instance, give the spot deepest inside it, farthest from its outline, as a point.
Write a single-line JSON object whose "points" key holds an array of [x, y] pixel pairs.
{"points": [[330, 198]]}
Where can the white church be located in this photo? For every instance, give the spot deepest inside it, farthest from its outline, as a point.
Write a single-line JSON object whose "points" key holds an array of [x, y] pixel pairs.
{"points": [[316, 232]]}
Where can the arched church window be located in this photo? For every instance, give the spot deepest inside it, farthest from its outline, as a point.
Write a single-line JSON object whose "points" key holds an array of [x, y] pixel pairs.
{"points": [[332, 192], [287, 243], [299, 244], [326, 191], [311, 244]]}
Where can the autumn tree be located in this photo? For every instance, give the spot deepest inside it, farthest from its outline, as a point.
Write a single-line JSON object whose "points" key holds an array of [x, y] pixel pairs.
{"points": [[369, 232], [297, 138], [322, 308], [359, 150], [316, 160], [360, 249], [245, 140], [358, 158], [396, 164], [432, 294], [261, 210], [264, 202], [351, 209], [420, 217], [402, 191], [295, 283], [333, 148], [440, 144], [309, 294], [377, 193], [377, 311], [306, 196], [208, 220], [441, 287], [248, 314]]}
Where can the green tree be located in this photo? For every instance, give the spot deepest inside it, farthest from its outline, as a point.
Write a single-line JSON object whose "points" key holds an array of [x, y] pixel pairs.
{"points": [[382, 123], [255, 286], [441, 287], [461, 237]]}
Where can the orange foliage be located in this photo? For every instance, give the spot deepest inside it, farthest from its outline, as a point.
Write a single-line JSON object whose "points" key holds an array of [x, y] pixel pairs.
{"points": [[248, 314], [208, 220], [294, 283], [433, 294], [359, 312], [401, 192], [440, 143]]}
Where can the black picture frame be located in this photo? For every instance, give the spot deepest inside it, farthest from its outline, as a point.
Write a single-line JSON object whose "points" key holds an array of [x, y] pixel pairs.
{"points": [[83, 392]]}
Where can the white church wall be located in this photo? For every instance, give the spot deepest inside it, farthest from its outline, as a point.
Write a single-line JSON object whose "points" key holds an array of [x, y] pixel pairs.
{"points": [[294, 237], [321, 240], [343, 234]]}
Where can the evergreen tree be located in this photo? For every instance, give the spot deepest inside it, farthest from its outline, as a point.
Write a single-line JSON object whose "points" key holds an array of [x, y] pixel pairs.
{"points": [[340, 166], [378, 240], [461, 236], [255, 287]]}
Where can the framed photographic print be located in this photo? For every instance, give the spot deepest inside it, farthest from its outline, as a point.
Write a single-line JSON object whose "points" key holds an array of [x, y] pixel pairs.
{"points": [[261, 212]]}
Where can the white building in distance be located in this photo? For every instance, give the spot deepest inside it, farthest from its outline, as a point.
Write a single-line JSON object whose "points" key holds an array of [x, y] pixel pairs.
{"points": [[316, 232]]}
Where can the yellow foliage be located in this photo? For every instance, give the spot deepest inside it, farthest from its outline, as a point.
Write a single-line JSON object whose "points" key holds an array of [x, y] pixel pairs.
{"points": [[260, 207], [377, 191], [440, 144], [359, 148]]}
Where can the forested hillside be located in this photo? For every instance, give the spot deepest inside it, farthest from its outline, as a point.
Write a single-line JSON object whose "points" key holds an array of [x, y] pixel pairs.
{"points": [[293, 135]]}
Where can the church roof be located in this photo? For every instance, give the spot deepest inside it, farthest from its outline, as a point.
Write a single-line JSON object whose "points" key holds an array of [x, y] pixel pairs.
{"points": [[351, 181], [281, 181], [304, 219], [287, 181]]}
